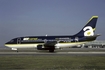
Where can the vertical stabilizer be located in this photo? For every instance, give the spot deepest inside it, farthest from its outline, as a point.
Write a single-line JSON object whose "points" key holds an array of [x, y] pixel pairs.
{"points": [[89, 28]]}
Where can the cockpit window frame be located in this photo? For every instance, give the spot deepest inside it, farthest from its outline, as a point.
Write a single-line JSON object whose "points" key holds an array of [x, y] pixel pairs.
{"points": [[11, 41]]}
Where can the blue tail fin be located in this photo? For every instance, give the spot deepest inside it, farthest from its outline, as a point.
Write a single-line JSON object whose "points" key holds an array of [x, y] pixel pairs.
{"points": [[89, 28]]}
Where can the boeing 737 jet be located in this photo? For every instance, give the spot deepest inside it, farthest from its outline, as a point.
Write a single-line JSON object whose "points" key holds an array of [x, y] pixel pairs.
{"points": [[51, 43]]}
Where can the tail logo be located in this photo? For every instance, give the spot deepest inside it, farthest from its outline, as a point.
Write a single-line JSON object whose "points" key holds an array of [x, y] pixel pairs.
{"points": [[88, 31]]}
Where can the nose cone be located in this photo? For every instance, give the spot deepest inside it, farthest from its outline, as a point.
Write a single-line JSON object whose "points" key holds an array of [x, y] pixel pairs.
{"points": [[6, 44], [9, 43]]}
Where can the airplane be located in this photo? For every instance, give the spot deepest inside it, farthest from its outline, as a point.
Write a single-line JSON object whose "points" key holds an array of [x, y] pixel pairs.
{"points": [[52, 43]]}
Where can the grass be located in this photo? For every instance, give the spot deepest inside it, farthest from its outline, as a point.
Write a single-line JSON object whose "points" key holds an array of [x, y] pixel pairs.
{"points": [[45, 62]]}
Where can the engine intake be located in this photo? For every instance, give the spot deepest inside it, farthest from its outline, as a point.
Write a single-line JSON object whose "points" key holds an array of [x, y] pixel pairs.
{"points": [[41, 47]]}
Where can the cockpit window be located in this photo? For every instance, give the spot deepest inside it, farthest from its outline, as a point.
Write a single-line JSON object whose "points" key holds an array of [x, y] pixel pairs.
{"points": [[12, 41]]}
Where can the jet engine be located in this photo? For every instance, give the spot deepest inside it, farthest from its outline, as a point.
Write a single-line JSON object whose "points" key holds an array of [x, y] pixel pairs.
{"points": [[42, 47]]}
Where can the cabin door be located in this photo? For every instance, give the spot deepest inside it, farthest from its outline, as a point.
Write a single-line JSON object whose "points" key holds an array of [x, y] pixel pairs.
{"points": [[18, 40]]}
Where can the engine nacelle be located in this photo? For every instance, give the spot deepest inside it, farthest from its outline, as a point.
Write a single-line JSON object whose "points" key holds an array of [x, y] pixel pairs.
{"points": [[41, 47]]}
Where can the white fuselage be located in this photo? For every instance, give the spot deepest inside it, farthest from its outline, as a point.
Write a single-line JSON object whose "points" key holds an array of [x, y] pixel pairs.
{"points": [[58, 45]]}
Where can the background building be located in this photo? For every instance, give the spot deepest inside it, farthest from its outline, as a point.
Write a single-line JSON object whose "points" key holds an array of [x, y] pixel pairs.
{"points": [[94, 44]]}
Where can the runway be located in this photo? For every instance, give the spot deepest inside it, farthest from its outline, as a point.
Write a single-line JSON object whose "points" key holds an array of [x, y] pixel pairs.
{"points": [[69, 52], [78, 58], [52, 54]]}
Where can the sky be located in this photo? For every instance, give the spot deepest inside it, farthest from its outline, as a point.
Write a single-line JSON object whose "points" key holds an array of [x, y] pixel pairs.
{"points": [[52, 17]]}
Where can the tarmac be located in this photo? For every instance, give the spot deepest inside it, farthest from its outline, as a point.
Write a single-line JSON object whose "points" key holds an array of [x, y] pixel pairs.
{"points": [[69, 52]]}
